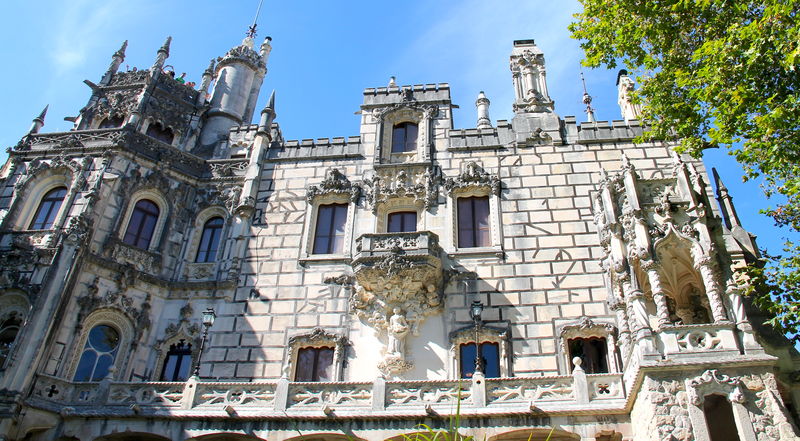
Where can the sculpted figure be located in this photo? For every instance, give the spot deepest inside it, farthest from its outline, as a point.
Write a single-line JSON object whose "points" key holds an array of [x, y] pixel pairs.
{"points": [[398, 329]]}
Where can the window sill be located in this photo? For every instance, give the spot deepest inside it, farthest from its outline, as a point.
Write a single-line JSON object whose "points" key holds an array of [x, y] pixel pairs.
{"points": [[324, 258], [478, 252]]}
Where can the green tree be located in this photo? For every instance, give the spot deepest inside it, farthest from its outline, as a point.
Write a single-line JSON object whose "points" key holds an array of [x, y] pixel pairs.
{"points": [[718, 73]]}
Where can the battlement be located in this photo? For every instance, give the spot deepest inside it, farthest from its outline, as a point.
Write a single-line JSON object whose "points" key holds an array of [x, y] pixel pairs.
{"points": [[430, 93], [482, 139], [601, 131], [317, 149]]}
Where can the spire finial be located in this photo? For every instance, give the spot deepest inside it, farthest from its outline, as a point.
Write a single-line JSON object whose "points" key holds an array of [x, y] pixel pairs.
{"points": [[121, 52], [38, 122], [165, 47], [43, 114], [271, 102], [587, 100], [251, 31]]}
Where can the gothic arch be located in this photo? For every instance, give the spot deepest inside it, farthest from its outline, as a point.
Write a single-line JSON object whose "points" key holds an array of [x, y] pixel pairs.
{"points": [[105, 316], [157, 197]]}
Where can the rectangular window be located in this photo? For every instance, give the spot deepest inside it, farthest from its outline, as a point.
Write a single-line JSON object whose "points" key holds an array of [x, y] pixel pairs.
{"points": [[402, 222], [404, 138], [592, 351], [314, 364], [490, 359], [473, 222], [329, 233]]}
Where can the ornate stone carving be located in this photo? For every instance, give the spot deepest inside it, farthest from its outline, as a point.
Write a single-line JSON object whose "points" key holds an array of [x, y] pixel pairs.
{"points": [[334, 183], [399, 285], [472, 177], [143, 260], [413, 183], [130, 78], [712, 381], [670, 418]]}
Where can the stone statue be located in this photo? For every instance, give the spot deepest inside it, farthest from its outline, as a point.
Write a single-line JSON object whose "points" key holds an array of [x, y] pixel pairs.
{"points": [[398, 329]]}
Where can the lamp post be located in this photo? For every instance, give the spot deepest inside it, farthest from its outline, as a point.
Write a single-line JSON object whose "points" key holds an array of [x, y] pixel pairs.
{"points": [[208, 320], [475, 311]]}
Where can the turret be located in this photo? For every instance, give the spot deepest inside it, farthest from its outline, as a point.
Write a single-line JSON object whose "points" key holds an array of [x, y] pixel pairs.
{"points": [[267, 116], [38, 122], [205, 82], [482, 103], [116, 61], [239, 75], [629, 109]]}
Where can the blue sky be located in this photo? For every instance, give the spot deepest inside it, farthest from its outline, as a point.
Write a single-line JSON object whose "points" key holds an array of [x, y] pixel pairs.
{"points": [[324, 54]]}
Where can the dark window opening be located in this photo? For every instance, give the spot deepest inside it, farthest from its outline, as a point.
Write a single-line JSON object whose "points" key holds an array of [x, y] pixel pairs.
{"points": [[404, 138], [178, 363], [98, 354], [314, 364], [720, 420], [402, 222], [159, 132], [473, 222], [209, 241], [112, 122], [142, 224], [48, 209], [490, 359], [592, 352], [329, 232], [8, 335]]}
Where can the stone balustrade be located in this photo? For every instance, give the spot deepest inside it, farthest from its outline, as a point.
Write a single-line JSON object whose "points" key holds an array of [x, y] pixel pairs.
{"points": [[378, 245], [567, 393], [710, 340]]}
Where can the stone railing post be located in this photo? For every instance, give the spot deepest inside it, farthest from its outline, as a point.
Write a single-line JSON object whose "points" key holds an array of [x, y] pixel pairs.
{"points": [[189, 392], [478, 389], [379, 393], [282, 394], [579, 383], [104, 386]]}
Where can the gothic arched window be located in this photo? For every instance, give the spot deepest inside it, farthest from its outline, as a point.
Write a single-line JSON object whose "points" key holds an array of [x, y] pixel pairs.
{"points": [[178, 363], [404, 137], [112, 122], [48, 209], [8, 335], [157, 131], [209, 240], [142, 224], [99, 354]]}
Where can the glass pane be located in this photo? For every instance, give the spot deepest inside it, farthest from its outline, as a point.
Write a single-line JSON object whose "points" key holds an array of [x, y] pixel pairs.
{"points": [[411, 138], [467, 360], [324, 364], [48, 209], [490, 356], [85, 366], [185, 366], [103, 364], [305, 365], [465, 223], [398, 138], [146, 231], [103, 338], [168, 373], [322, 233], [481, 210]]}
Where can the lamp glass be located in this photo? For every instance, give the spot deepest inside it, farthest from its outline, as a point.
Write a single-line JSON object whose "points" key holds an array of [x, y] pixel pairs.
{"points": [[209, 316], [476, 310]]}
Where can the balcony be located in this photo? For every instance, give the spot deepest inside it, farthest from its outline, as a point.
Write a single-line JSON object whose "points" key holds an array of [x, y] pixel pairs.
{"points": [[283, 399], [703, 340]]}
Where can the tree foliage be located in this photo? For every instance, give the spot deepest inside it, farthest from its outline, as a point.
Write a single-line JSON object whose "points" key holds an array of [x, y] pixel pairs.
{"points": [[717, 73]]}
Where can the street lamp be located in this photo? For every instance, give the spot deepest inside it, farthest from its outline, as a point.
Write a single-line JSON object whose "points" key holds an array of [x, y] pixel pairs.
{"points": [[208, 320], [475, 311]]}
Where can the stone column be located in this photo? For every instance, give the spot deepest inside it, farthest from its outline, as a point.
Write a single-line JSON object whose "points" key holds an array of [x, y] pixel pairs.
{"points": [[659, 297], [623, 326], [704, 264]]}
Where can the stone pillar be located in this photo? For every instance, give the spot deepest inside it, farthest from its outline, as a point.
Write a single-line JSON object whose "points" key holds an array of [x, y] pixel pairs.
{"points": [[623, 326], [659, 297], [482, 103], [704, 264]]}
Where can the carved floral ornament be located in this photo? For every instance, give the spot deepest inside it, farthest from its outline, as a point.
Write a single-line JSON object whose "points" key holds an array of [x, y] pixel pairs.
{"points": [[406, 110], [714, 382], [473, 176], [335, 182], [38, 168], [413, 183]]}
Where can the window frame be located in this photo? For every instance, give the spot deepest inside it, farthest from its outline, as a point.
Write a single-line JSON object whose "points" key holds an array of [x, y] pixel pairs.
{"points": [[309, 230], [315, 338], [475, 230], [142, 208], [495, 247], [486, 334], [404, 126], [158, 231], [188, 350], [109, 317], [163, 128], [219, 230], [338, 213], [402, 212], [52, 214], [587, 328], [317, 350], [482, 344]]}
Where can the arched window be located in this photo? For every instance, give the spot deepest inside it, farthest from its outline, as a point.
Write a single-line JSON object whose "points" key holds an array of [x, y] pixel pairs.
{"points": [[48, 209], [157, 131], [142, 224], [720, 419], [112, 122], [178, 364], [8, 335], [209, 241], [404, 138], [98, 354]]}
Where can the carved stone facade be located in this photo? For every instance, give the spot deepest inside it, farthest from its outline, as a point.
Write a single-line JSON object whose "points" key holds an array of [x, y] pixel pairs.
{"points": [[342, 288]]}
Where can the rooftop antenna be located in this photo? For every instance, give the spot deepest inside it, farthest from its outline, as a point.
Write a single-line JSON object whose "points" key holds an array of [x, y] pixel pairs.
{"points": [[587, 99], [251, 31]]}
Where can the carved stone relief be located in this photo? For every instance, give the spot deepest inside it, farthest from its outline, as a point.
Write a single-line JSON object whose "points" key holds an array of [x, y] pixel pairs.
{"points": [[412, 183], [473, 176], [334, 183]]}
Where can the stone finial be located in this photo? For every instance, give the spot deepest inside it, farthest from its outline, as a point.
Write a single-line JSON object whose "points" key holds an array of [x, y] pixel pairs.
{"points": [[121, 52], [266, 48], [162, 55], [267, 115], [587, 101], [392, 82], [482, 103], [529, 76], [38, 122]]}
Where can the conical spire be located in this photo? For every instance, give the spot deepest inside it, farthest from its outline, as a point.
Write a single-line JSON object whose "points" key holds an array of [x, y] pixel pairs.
{"points": [[121, 52], [267, 115], [271, 102], [38, 122], [162, 55], [116, 61]]}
